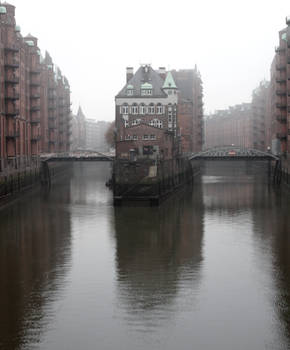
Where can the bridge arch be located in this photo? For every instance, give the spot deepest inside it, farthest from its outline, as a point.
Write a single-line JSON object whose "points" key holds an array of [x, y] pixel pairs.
{"points": [[233, 153]]}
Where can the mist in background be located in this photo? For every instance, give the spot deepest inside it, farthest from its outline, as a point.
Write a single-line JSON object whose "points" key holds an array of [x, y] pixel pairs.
{"points": [[232, 43]]}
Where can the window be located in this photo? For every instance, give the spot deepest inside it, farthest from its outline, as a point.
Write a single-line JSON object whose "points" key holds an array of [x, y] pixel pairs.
{"points": [[130, 92], [136, 121], [156, 123], [152, 137], [126, 123], [142, 109], [146, 92], [125, 109], [151, 109], [135, 137], [145, 137], [159, 109], [134, 109], [128, 137]]}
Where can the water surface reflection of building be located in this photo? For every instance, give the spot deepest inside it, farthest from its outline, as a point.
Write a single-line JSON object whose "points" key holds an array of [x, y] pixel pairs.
{"points": [[35, 249], [158, 251]]}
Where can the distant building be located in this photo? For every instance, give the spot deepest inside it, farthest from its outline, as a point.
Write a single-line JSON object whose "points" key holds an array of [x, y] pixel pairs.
{"points": [[78, 131], [260, 112], [228, 127]]}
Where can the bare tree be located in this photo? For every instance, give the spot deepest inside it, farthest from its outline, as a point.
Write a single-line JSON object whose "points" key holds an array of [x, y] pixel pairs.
{"points": [[110, 135]]}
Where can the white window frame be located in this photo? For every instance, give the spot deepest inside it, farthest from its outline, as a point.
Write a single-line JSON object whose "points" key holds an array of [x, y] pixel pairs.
{"points": [[125, 109], [135, 137], [151, 109], [126, 123], [130, 92], [152, 137], [145, 137], [159, 109], [142, 109], [134, 109]]}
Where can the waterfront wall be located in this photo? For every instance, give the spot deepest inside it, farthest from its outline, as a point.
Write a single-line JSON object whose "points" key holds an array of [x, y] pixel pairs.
{"points": [[147, 180]]}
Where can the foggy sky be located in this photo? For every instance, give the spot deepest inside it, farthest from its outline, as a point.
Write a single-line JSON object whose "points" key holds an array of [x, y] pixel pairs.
{"points": [[232, 43]]}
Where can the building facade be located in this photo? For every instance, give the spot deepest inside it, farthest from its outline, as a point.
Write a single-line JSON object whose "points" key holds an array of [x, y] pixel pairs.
{"points": [[228, 127], [159, 114], [34, 99], [280, 94]]}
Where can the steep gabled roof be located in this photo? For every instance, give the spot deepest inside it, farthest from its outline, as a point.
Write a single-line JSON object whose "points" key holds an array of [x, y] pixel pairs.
{"points": [[145, 75], [169, 82]]}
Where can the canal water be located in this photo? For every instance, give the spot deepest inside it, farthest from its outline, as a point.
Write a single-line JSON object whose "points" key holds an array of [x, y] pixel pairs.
{"points": [[207, 270]]}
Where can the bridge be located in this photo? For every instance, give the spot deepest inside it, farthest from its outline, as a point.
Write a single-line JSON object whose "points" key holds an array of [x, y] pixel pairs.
{"points": [[78, 156], [233, 153]]}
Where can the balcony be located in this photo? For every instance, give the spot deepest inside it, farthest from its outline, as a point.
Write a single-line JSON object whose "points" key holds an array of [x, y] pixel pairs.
{"points": [[12, 63], [281, 105], [12, 95], [280, 67], [12, 80], [12, 111], [12, 133], [35, 71], [34, 80], [281, 118], [35, 138], [280, 92], [35, 120], [35, 109], [281, 80], [11, 47], [51, 126], [279, 49]]}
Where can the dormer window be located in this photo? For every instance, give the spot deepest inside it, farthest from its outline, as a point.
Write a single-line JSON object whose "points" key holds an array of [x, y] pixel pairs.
{"points": [[130, 90], [146, 89]]}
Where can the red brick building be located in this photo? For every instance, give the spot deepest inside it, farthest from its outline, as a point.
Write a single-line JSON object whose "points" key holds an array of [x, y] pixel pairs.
{"points": [[159, 113], [280, 94], [34, 99], [228, 127], [190, 109]]}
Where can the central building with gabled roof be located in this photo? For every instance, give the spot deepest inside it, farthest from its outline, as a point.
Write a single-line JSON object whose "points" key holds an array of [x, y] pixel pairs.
{"points": [[146, 116]]}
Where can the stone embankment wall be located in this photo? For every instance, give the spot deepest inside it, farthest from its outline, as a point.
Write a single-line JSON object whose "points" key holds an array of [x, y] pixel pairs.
{"points": [[14, 183], [147, 179]]}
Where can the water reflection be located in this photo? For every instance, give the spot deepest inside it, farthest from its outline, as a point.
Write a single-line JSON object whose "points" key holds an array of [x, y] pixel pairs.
{"points": [[158, 256], [272, 230], [34, 256]]}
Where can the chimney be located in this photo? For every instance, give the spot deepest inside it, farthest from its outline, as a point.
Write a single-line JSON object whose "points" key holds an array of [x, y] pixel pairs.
{"points": [[162, 72], [129, 73]]}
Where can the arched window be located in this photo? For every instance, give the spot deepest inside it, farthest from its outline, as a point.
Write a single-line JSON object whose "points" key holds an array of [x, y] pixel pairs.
{"points": [[142, 109], [134, 108], [151, 108], [125, 108], [159, 108]]}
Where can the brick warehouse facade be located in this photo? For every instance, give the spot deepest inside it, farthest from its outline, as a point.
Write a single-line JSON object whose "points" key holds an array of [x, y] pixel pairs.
{"points": [[34, 99], [280, 94]]}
